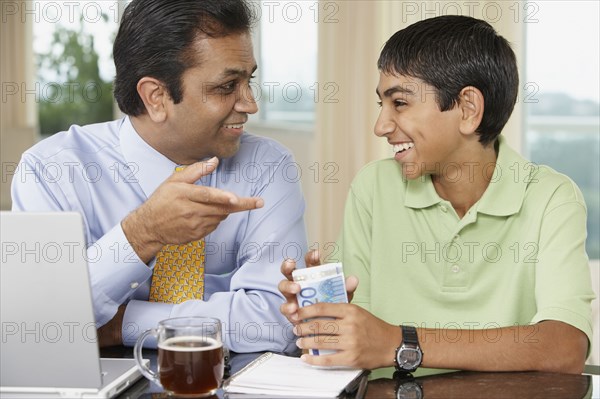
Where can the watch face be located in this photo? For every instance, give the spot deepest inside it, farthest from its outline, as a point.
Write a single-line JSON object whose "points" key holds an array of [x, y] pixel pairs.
{"points": [[409, 358], [409, 390]]}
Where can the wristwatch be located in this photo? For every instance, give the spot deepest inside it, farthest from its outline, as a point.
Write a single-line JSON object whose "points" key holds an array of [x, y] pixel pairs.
{"points": [[408, 354]]}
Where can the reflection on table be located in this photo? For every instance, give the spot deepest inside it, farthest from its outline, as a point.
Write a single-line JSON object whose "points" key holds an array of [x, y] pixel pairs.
{"points": [[467, 384], [387, 384]]}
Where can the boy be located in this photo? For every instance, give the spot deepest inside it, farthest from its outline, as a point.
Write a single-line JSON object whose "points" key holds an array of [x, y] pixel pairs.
{"points": [[468, 256]]}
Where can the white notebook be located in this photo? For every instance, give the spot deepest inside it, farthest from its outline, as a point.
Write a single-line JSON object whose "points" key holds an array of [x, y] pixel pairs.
{"points": [[277, 375]]}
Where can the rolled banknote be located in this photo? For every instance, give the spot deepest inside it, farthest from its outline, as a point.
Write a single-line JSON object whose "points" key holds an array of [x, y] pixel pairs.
{"points": [[325, 283]]}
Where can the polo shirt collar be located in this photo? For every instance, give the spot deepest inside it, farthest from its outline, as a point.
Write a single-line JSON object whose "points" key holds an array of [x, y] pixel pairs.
{"points": [[152, 168], [504, 195], [420, 193]]}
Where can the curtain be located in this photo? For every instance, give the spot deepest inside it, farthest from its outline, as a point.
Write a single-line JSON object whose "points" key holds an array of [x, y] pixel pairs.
{"points": [[18, 119]]}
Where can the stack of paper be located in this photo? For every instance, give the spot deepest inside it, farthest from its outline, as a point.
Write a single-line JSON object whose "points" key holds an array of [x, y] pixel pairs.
{"points": [[277, 375]]}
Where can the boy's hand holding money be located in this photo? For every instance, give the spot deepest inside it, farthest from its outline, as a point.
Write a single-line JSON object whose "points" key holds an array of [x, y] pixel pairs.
{"points": [[290, 289], [360, 339]]}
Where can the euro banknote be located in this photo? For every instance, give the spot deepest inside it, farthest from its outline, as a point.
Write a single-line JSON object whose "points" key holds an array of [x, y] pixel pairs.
{"points": [[325, 283]]}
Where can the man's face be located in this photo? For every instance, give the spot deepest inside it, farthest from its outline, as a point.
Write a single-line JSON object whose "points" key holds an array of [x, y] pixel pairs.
{"points": [[424, 139], [216, 101]]}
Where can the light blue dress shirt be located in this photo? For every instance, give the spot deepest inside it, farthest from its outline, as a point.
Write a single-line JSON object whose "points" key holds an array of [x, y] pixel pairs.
{"points": [[105, 171]]}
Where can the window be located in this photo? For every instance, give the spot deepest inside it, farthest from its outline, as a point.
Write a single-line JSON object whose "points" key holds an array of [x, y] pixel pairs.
{"points": [[73, 47], [73, 53], [286, 51], [562, 122]]}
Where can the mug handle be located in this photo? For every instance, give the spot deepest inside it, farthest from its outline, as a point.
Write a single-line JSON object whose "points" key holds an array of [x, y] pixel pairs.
{"points": [[137, 352]]}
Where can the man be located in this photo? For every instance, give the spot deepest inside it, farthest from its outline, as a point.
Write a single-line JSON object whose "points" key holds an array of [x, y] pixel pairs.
{"points": [[467, 256], [183, 75]]}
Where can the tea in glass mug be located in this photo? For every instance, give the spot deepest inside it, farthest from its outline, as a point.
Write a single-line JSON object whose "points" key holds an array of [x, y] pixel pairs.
{"points": [[190, 356]]}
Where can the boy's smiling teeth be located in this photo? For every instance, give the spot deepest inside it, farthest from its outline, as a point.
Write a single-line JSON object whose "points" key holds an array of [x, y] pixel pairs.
{"points": [[234, 126], [402, 147]]}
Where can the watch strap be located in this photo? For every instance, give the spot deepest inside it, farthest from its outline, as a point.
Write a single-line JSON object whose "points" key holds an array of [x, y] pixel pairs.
{"points": [[409, 335]]}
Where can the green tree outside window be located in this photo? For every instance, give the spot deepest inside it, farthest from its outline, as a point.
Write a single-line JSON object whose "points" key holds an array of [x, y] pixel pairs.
{"points": [[78, 95]]}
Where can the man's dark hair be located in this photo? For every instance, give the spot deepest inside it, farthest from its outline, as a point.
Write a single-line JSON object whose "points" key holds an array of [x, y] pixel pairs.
{"points": [[452, 52], [156, 39]]}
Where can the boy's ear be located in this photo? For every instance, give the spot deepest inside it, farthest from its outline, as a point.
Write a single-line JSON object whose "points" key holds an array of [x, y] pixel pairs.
{"points": [[155, 96], [471, 103]]}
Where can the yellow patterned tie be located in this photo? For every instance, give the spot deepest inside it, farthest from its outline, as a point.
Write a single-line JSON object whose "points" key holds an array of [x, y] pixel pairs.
{"points": [[179, 272]]}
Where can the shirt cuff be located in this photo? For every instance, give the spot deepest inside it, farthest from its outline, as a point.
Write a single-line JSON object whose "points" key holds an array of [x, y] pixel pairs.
{"points": [[141, 316], [116, 272]]}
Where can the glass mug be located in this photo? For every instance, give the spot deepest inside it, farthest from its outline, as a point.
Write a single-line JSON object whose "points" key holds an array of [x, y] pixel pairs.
{"points": [[190, 356]]}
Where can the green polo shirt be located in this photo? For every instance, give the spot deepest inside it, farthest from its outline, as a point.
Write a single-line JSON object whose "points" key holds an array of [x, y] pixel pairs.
{"points": [[516, 258]]}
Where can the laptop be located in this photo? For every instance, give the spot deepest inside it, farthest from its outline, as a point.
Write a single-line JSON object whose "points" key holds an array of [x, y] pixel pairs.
{"points": [[48, 345]]}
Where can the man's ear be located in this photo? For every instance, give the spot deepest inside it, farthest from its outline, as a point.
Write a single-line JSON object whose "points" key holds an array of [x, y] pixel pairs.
{"points": [[154, 95], [471, 103]]}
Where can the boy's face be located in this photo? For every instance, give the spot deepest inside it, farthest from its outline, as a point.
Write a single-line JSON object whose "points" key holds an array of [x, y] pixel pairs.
{"points": [[424, 139]]}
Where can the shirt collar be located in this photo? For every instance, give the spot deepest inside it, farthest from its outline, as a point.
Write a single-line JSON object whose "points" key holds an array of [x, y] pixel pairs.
{"points": [[151, 167], [504, 195], [420, 193]]}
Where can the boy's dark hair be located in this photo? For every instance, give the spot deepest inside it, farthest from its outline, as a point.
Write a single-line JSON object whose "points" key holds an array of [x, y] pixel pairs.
{"points": [[451, 52], [155, 39]]}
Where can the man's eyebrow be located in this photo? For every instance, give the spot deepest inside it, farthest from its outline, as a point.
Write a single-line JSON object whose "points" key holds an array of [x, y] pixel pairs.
{"points": [[396, 89], [228, 72]]}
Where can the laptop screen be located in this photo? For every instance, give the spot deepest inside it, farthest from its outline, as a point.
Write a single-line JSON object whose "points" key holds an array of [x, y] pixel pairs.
{"points": [[47, 318]]}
